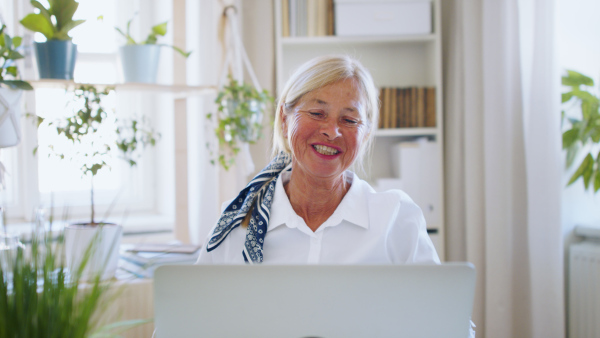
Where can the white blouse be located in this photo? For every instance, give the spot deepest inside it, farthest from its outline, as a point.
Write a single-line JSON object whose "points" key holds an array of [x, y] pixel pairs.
{"points": [[368, 227]]}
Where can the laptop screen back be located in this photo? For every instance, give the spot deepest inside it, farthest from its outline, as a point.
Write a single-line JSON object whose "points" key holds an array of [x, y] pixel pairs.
{"points": [[314, 301]]}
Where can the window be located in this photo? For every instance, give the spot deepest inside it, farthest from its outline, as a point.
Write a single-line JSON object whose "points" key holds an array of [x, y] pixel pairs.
{"points": [[34, 181]]}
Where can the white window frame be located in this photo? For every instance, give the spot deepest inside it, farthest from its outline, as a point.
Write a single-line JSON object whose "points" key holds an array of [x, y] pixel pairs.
{"points": [[149, 212]]}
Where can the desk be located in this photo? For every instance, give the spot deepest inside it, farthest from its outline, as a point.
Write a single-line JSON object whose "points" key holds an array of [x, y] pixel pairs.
{"points": [[135, 301]]}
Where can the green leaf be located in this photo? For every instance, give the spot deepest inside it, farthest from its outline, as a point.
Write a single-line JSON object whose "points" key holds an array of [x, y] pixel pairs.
{"points": [[42, 9], [17, 84], [576, 79], [572, 154], [12, 70], [2, 40], [587, 173], [180, 51], [14, 55], [150, 40], [566, 96], [570, 137], [597, 180], [68, 26], [17, 41], [7, 41], [160, 29], [39, 23], [588, 161], [64, 12]]}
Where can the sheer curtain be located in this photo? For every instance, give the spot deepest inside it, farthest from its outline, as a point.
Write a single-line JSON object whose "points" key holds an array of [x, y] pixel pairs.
{"points": [[503, 156]]}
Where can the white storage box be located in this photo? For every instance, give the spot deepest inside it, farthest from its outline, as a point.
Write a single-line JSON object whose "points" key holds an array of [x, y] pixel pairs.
{"points": [[382, 17]]}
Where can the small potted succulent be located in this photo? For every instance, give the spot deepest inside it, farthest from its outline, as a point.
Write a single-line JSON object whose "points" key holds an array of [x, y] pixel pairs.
{"points": [[581, 119], [140, 59], [90, 151], [240, 111], [11, 90], [55, 57]]}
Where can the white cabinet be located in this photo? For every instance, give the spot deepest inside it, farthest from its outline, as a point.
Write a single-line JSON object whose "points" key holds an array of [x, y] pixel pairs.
{"points": [[397, 61]]}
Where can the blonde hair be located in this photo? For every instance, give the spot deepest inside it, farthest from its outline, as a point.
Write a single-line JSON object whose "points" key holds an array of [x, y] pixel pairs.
{"points": [[317, 73]]}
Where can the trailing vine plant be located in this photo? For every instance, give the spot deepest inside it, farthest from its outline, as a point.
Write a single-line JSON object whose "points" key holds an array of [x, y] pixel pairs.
{"points": [[240, 109]]}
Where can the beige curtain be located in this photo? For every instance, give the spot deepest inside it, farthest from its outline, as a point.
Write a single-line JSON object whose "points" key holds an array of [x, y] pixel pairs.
{"points": [[503, 177]]}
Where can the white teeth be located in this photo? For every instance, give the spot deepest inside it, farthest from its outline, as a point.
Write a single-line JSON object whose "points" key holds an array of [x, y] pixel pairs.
{"points": [[325, 150]]}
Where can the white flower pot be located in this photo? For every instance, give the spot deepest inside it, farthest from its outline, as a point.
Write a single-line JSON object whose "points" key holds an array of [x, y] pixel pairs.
{"points": [[140, 62], [10, 115], [104, 241]]}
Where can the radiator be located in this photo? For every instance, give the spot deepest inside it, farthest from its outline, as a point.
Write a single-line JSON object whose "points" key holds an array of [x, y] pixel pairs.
{"points": [[584, 290]]}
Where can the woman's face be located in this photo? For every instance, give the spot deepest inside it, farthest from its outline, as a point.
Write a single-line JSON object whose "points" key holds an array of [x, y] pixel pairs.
{"points": [[326, 129]]}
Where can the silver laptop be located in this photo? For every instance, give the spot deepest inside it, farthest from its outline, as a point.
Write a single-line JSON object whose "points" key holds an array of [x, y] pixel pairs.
{"points": [[428, 301]]}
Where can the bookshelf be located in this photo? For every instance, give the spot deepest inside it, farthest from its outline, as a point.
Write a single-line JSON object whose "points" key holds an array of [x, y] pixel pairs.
{"points": [[395, 61]]}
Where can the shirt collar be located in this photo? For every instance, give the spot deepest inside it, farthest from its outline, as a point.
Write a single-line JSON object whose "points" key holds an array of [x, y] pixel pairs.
{"points": [[353, 208]]}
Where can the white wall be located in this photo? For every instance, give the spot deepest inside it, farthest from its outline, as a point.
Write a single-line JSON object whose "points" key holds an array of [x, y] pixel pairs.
{"points": [[579, 49], [258, 35]]}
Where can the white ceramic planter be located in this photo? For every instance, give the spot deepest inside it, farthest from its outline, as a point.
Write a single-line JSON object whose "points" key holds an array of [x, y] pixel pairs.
{"points": [[105, 241], [140, 62], [10, 116]]}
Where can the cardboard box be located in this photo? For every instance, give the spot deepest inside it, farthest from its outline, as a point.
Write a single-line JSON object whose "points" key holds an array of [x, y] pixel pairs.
{"points": [[382, 17]]}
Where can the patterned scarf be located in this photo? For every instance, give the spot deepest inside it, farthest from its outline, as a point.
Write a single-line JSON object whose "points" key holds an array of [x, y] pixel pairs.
{"points": [[261, 190]]}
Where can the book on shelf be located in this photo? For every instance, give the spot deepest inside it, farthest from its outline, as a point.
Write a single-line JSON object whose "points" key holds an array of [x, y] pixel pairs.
{"points": [[307, 18], [407, 107]]}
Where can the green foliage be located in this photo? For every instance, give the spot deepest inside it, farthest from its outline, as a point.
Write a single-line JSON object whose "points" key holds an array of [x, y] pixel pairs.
{"points": [[152, 39], [134, 135], [582, 134], [84, 129], [9, 73], [39, 297], [239, 118], [54, 22]]}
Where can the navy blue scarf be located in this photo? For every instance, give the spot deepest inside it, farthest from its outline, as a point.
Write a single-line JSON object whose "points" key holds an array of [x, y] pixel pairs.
{"points": [[261, 190]]}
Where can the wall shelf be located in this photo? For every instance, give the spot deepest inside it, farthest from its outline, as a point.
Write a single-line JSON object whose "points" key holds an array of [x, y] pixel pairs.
{"points": [[178, 90]]}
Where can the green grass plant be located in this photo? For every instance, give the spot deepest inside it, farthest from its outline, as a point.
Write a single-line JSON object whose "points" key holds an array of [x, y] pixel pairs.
{"points": [[40, 297]]}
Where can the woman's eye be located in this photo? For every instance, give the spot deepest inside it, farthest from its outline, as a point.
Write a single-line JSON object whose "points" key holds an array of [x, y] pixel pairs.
{"points": [[351, 121], [315, 113]]}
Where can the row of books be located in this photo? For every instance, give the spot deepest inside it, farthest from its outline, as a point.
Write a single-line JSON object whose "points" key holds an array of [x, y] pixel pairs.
{"points": [[410, 107], [307, 17]]}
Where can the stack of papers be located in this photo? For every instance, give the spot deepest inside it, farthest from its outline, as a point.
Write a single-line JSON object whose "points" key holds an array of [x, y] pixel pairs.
{"points": [[141, 260]]}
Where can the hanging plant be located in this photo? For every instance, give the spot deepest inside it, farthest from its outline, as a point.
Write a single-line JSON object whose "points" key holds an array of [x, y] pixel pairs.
{"points": [[583, 135], [240, 111]]}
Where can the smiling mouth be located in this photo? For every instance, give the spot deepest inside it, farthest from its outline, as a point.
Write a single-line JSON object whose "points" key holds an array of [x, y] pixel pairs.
{"points": [[325, 150]]}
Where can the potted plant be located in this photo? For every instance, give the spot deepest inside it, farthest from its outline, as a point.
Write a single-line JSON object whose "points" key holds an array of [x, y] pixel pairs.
{"points": [[11, 89], [90, 150], [55, 57], [140, 59], [582, 137], [41, 297], [240, 110]]}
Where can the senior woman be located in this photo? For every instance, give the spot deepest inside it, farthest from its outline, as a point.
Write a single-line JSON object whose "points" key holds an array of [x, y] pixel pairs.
{"points": [[306, 207]]}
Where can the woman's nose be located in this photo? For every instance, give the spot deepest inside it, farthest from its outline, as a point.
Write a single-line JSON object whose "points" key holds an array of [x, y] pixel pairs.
{"points": [[330, 129]]}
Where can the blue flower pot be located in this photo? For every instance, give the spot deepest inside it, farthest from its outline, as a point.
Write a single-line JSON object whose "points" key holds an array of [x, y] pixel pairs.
{"points": [[140, 62], [56, 59]]}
